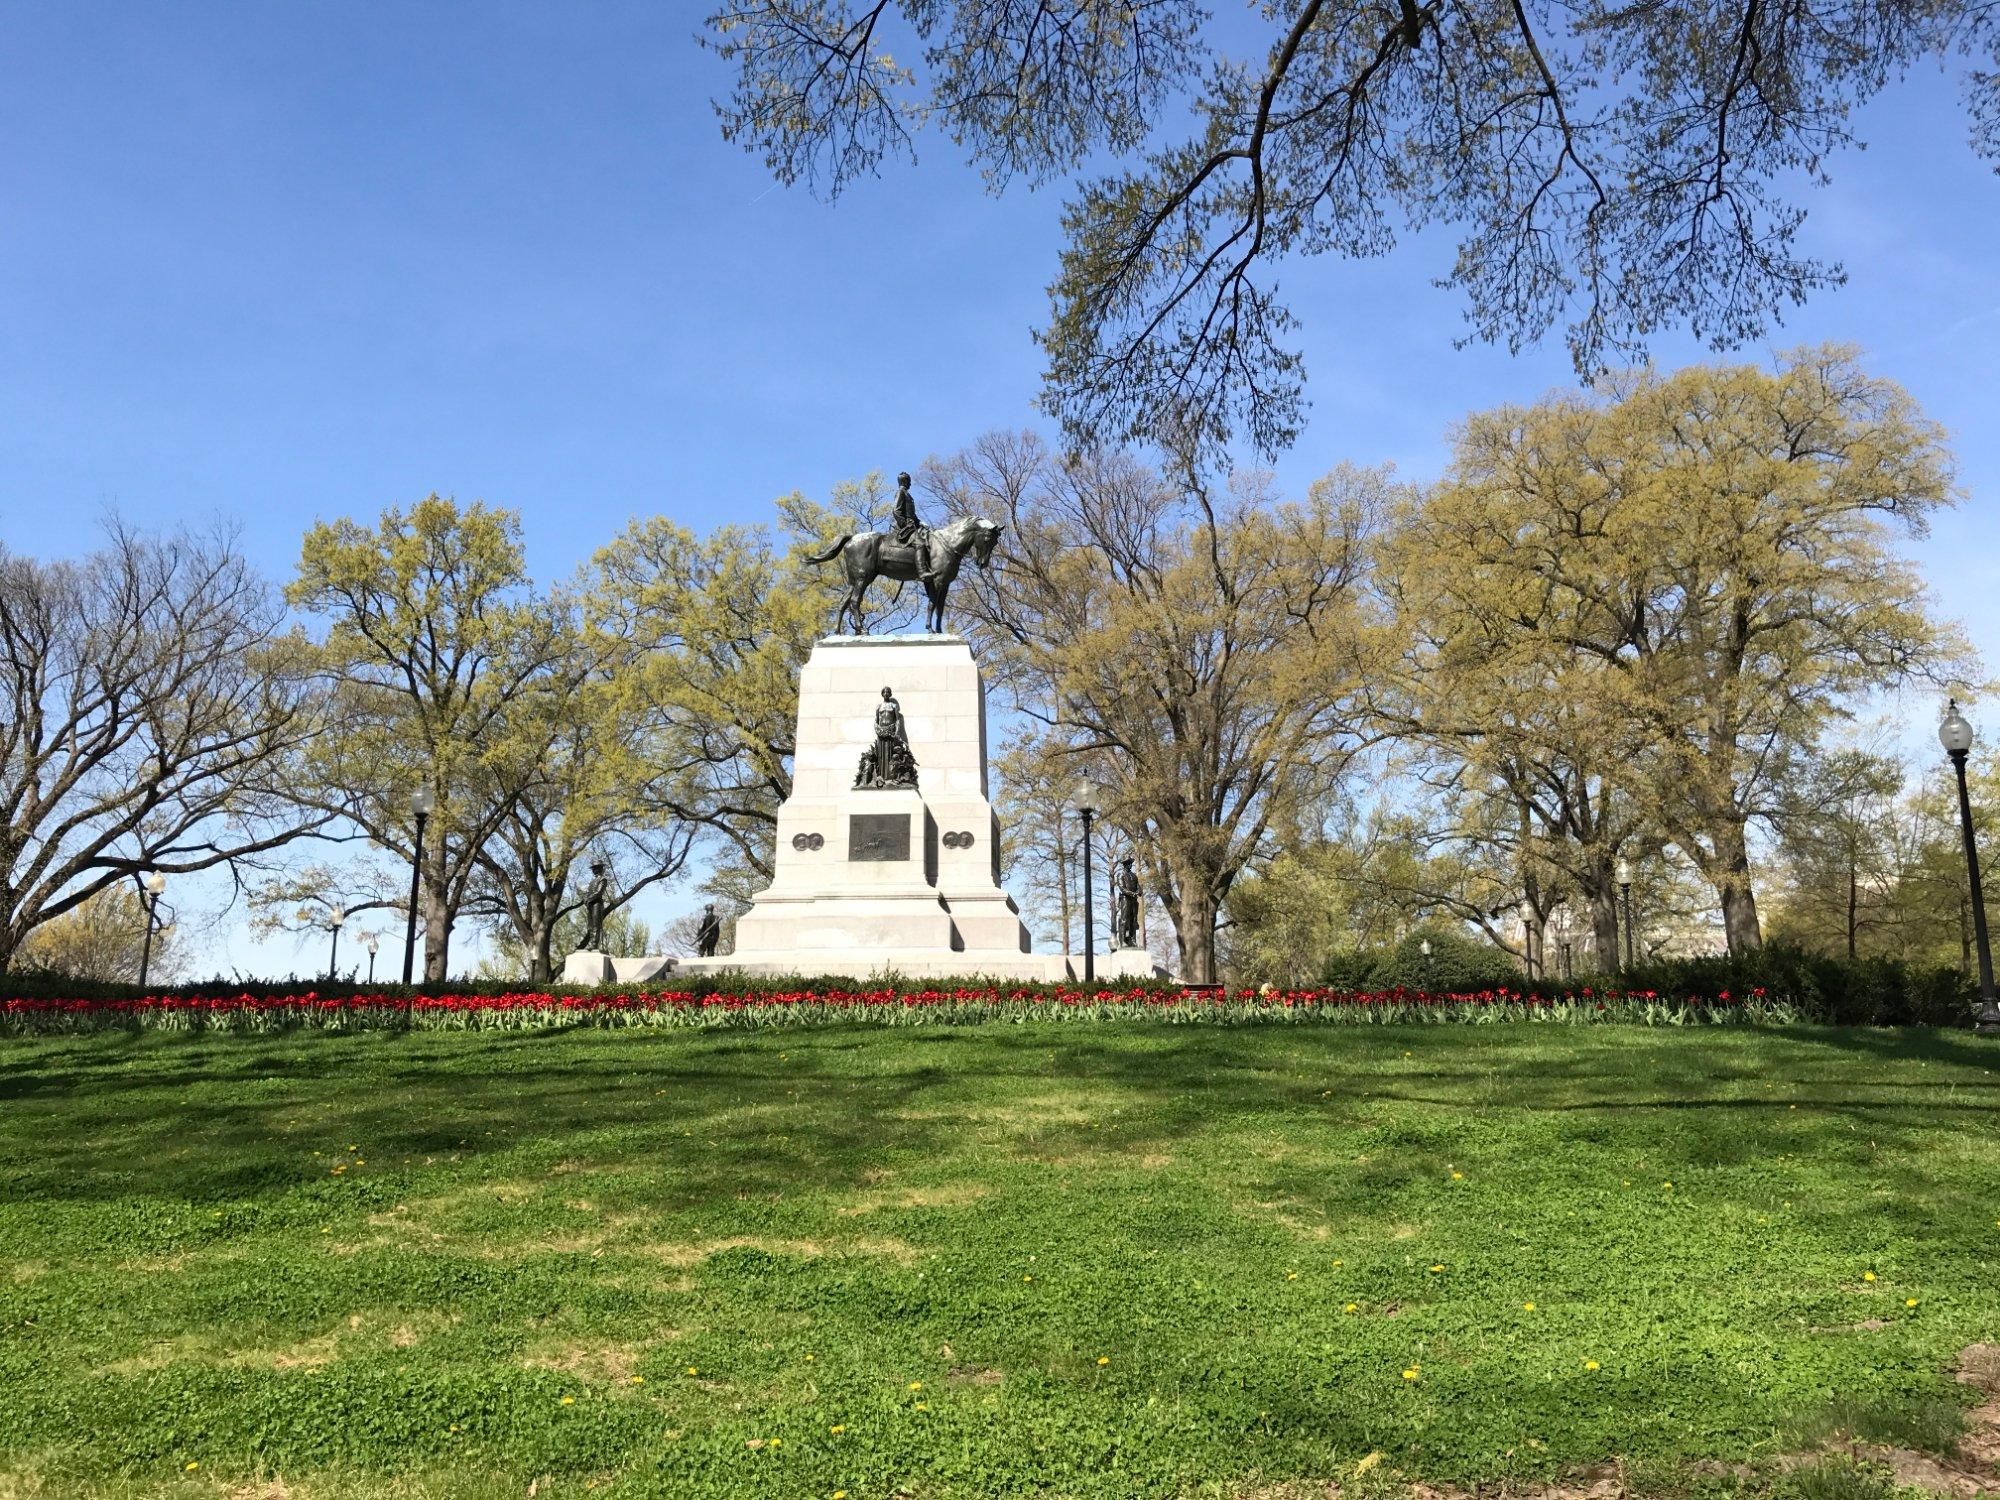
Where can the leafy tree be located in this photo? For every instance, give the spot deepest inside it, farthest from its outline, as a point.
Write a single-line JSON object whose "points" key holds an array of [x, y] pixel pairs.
{"points": [[1611, 169], [1697, 569], [714, 632], [1199, 656], [1837, 842], [103, 938], [1506, 722], [1036, 796], [1360, 884], [150, 702], [433, 634], [576, 759]]}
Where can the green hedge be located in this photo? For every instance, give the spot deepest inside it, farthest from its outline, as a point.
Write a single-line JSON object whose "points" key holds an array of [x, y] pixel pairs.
{"points": [[1817, 986], [1837, 991]]}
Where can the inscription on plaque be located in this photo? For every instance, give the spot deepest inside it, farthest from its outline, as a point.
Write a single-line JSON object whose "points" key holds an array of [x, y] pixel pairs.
{"points": [[878, 838]]}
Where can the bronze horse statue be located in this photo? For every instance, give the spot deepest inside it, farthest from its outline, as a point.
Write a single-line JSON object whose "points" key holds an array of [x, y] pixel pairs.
{"points": [[873, 554]]}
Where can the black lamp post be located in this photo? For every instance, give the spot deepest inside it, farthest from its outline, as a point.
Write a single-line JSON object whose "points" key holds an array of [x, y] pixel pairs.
{"points": [[154, 883], [422, 800], [1625, 890], [371, 942], [333, 958], [1089, 904], [1956, 736]]}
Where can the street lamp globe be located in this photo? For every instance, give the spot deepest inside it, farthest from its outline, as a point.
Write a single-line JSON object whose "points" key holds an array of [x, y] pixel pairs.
{"points": [[156, 883], [422, 800], [339, 914], [1624, 872], [1424, 947], [371, 942], [1954, 733]]}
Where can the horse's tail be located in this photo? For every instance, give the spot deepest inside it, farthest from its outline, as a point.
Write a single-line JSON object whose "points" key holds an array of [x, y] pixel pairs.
{"points": [[833, 552]]}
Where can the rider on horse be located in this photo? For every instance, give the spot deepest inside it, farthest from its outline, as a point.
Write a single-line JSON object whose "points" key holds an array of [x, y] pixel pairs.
{"points": [[909, 531]]}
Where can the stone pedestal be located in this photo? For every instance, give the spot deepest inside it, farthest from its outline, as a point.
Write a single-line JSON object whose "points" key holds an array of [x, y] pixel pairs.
{"points": [[588, 967], [872, 882]]}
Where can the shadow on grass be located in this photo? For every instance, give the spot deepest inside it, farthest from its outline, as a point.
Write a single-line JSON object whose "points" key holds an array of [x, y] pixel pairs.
{"points": [[207, 1117]]}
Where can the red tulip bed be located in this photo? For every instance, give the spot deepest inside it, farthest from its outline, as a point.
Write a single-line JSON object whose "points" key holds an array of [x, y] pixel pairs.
{"points": [[960, 1005]]}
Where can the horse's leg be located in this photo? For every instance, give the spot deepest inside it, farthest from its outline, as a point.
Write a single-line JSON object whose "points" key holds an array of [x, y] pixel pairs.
{"points": [[855, 596]]}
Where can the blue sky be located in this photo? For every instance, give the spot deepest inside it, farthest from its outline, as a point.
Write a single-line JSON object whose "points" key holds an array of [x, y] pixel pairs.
{"points": [[280, 263]]}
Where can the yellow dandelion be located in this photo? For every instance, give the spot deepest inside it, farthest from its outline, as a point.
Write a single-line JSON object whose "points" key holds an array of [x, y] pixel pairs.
{"points": [[923, 1406], [1027, 1278], [1437, 1268], [1590, 1364], [1291, 1275], [192, 1466], [1104, 1359], [837, 1428], [693, 1371], [1337, 1261], [1527, 1307], [777, 1442], [1411, 1373], [569, 1401], [1909, 1302], [638, 1380], [1668, 1186], [454, 1427], [1354, 1307], [840, 1495], [1867, 1275], [1455, 1177], [809, 1359], [916, 1385]]}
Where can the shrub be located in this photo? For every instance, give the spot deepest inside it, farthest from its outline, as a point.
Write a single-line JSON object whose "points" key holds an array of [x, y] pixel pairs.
{"points": [[1821, 987]]}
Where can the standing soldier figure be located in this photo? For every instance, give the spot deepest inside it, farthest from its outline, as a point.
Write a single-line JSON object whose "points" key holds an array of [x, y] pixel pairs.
{"points": [[1127, 886], [593, 909], [708, 934]]}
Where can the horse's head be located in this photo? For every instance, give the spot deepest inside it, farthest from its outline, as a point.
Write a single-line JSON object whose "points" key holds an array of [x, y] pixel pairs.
{"points": [[984, 535]]}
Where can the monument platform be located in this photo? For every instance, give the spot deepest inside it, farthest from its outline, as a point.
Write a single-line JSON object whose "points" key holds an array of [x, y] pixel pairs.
{"points": [[869, 881]]}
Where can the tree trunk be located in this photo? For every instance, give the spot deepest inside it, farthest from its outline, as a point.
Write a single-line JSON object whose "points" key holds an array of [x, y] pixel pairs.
{"points": [[541, 957], [437, 935], [1604, 929], [1731, 866], [1194, 930], [1852, 894]]}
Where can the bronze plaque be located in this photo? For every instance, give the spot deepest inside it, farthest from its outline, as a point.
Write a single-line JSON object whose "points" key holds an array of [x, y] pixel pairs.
{"points": [[877, 838]]}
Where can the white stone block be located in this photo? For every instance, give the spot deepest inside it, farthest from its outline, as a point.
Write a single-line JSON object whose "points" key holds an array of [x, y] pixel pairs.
{"points": [[585, 967]]}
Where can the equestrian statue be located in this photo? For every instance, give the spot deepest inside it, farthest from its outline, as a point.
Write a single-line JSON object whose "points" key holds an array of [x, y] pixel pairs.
{"points": [[912, 552]]}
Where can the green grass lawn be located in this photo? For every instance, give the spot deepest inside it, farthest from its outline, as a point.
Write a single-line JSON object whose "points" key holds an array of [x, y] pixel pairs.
{"points": [[1034, 1259]]}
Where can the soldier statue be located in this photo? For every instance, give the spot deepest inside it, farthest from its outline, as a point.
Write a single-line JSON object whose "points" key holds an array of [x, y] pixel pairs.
{"points": [[910, 532], [593, 909], [708, 934], [1125, 930], [889, 762]]}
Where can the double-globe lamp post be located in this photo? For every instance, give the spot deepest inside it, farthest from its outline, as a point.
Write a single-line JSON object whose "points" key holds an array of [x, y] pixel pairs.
{"points": [[155, 883], [422, 800], [1955, 734]]}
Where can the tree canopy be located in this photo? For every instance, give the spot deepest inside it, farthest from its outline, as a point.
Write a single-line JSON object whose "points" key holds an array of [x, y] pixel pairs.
{"points": [[1611, 169]]}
